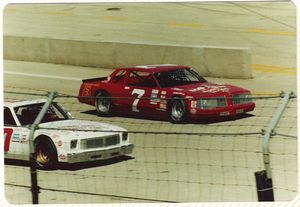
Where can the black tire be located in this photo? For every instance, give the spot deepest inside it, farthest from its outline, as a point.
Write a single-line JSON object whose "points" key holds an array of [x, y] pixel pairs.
{"points": [[177, 111], [45, 154], [103, 104]]}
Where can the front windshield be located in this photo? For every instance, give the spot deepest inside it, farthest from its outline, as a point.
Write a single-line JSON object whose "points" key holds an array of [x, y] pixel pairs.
{"points": [[183, 76], [28, 113]]}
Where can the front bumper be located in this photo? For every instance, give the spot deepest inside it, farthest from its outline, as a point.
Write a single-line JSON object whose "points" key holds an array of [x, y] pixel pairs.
{"points": [[99, 154], [232, 110]]}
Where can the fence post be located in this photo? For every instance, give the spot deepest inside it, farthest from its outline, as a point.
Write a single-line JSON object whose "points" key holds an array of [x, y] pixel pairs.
{"points": [[33, 170], [264, 182]]}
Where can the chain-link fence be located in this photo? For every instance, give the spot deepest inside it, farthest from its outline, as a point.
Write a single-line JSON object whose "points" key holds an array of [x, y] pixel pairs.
{"points": [[200, 161]]}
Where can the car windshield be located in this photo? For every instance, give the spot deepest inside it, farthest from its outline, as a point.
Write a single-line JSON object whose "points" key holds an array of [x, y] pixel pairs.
{"points": [[183, 76], [28, 113]]}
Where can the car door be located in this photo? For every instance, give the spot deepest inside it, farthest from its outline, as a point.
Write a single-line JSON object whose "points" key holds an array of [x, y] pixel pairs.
{"points": [[142, 91]]}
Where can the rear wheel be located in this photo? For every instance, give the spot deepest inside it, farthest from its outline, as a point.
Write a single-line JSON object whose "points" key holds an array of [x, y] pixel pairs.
{"points": [[177, 111], [103, 104], [45, 154]]}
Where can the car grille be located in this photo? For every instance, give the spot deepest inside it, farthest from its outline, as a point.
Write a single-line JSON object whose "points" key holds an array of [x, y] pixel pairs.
{"points": [[100, 142], [222, 102]]}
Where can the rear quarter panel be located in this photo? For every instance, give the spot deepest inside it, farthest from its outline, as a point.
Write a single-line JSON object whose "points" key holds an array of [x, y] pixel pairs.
{"points": [[88, 90]]}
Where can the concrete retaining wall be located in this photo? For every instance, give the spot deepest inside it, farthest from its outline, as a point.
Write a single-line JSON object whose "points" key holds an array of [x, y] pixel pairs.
{"points": [[209, 61]]}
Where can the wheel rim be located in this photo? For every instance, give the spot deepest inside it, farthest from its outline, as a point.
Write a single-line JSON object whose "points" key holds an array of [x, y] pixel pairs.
{"points": [[177, 110], [103, 104], [43, 156]]}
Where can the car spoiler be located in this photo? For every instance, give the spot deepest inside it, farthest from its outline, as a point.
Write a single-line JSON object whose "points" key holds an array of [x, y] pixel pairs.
{"points": [[94, 79]]}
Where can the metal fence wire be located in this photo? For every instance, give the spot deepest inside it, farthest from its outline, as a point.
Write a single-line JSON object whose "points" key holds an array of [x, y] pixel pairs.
{"points": [[220, 160]]}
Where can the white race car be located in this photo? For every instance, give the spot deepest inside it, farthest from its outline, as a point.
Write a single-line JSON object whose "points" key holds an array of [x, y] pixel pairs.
{"points": [[59, 137]]}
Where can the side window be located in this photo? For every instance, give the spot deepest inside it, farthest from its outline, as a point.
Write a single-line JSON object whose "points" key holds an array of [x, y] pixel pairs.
{"points": [[119, 77], [143, 79], [53, 114], [8, 117], [27, 114]]}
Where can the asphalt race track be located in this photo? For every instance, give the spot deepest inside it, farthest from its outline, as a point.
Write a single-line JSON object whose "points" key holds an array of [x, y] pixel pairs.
{"points": [[165, 167]]}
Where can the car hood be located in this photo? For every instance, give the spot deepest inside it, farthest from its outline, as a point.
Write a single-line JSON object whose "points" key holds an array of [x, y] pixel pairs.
{"points": [[80, 125], [208, 89]]}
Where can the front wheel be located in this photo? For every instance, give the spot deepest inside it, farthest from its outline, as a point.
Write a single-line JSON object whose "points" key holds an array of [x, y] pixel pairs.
{"points": [[103, 104], [177, 111], [45, 154]]}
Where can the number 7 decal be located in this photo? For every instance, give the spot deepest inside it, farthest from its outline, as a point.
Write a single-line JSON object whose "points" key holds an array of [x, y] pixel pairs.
{"points": [[139, 93], [7, 137]]}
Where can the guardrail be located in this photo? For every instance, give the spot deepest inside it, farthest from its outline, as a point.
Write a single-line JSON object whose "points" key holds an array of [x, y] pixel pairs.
{"points": [[211, 61]]}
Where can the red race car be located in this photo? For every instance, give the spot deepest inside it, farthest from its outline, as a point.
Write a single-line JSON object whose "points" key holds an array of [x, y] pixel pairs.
{"points": [[171, 91]]}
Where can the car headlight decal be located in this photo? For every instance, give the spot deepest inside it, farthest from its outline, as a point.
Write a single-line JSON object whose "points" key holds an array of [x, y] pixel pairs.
{"points": [[73, 143], [242, 98], [124, 136], [214, 102]]}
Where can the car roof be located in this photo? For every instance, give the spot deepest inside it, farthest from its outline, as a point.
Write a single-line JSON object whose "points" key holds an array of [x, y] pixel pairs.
{"points": [[154, 68], [16, 103]]}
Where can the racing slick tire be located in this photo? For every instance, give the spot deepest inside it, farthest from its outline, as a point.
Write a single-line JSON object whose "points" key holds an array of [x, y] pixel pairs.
{"points": [[45, 154], [103, 104], [177, 111]]}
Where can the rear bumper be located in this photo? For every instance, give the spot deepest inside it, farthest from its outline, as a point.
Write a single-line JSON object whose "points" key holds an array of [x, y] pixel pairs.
{"points": [[99, 154]]}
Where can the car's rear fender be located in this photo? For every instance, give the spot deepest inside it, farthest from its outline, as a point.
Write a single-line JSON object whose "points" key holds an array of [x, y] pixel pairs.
{"points": [[100, 91]]}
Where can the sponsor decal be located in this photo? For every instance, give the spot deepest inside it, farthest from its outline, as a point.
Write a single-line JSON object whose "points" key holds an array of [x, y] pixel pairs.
{"points": [[86, 90], [178, 93], [163, 106], [62, 157], [23, 139], [15, 138], [159, 109], [154, 99], [193, 104], [190, 98], [211, 89], [164, 92], [126, 87], [59, 143], [163, 101], [177, 89]]}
